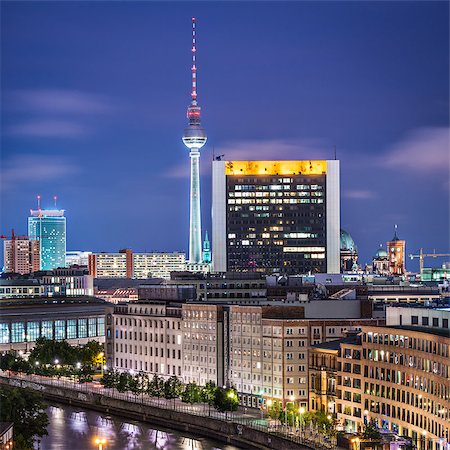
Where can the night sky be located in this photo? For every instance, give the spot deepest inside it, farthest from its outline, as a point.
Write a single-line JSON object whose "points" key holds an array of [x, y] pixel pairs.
{"points": [[94, 98]]}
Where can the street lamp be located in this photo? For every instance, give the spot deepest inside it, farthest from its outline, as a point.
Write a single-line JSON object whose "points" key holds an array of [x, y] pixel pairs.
{"points": [[56, 361], [100, 442], [301, 412]]}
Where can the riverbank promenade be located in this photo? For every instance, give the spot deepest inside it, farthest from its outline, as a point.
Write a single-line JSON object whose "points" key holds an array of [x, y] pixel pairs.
{"points": [[248, 428]]}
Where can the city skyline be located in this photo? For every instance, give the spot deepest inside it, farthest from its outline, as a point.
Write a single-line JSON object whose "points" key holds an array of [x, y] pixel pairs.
{"points": [[96, 115]]}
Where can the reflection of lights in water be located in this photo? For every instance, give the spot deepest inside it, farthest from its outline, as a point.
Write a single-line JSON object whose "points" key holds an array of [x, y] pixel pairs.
{"points": [[104, 422], [159, 438], [189, 443], [79, 421], [133, 431]]}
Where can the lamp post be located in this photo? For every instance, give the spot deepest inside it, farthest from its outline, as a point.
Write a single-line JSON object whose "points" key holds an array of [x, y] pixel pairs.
{"points": [[100, 442], [301, 411], [292, 399]]}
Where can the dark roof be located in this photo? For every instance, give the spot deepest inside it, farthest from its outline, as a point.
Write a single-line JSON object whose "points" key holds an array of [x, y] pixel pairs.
{"points": [[336, 344], [5, 426], [123, 283]]}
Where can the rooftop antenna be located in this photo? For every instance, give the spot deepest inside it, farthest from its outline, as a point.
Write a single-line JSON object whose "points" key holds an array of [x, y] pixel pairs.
{"points": [[54, 199], [194, 68], [335, 152], [39, 202]]}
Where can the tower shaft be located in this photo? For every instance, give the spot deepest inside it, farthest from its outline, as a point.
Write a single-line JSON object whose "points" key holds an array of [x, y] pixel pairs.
{"points": [[195, 226]]}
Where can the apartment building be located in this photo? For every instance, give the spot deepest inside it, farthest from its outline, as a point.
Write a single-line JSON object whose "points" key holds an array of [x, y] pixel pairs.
{"points": [[146, 337], [204, 336]]}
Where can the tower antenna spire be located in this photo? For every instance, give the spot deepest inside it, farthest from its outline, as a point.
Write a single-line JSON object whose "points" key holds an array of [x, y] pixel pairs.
{"points": [[54, 199], [39, 202], [194, 67]]}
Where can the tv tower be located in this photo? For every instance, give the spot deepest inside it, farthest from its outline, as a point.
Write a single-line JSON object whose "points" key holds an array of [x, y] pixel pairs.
{"points": [[194, 138]]}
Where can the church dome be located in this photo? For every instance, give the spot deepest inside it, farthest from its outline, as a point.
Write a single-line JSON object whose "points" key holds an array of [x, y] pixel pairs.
{"points": [[381, 253], [347, 242]]}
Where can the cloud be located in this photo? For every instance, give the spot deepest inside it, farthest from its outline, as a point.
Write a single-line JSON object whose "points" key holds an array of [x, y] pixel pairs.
{"points": [[260, 150], [25, 169], [57, 101], [424, 150], [359, 194], [49, 128]]}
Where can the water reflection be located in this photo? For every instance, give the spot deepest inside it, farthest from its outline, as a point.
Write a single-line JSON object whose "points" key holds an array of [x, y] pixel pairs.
{"points": [[76, 429]]}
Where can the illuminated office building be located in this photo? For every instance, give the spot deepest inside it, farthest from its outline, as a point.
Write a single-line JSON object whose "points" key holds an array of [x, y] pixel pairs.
{"points": [[48, 226], [276, 216], [21, 255]]}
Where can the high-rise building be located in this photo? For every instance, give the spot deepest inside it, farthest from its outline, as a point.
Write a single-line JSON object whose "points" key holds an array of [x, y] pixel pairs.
{"points": [[21, 255], [396, 252], [194, 138], [276, 216], [48, 226]]}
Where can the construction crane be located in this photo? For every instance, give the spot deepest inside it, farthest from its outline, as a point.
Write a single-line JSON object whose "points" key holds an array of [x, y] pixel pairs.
{"points": [[423, 255]]}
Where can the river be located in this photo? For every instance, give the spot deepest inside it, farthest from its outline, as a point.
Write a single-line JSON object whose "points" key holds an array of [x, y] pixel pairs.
{"points": [[73, 428]]}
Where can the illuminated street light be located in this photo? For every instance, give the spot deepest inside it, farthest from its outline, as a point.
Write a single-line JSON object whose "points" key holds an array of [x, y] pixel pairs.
{"points": [[36, 363], [78, 365], [100, 442], [56, 361]]}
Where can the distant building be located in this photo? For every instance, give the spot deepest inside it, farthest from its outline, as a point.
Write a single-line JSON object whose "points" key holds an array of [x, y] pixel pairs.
{"points": [[21, 255], [77, 258], [380, 264], [48, 226], [349, 253], [276, 216], [47, 283], [76, 319], [396, 252], [127, 264], [206, 250]]}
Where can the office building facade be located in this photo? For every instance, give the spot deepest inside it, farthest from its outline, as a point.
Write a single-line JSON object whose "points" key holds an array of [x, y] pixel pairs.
{"points": [[276, 216], [127, 264], [21, 255], [48, 226]]}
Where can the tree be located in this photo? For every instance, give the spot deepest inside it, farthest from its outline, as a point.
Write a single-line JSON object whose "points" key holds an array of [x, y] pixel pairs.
{"points": [[155, 387], [47, 351], [226, 399], [93, 353], [173, 387], [191, 394], [371, 432], [26, 410], [208, 393]]}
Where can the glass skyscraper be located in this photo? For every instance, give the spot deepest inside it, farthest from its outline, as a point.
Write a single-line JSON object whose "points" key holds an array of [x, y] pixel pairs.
{"points": [[48, 226]]}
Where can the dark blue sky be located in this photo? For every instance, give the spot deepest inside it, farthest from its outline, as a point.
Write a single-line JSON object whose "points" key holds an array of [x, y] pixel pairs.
{"points": [[94, 97]]}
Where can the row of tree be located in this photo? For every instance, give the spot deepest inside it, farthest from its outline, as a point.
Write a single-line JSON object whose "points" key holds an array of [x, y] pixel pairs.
{"points": [[56, 358], [221, 398]]}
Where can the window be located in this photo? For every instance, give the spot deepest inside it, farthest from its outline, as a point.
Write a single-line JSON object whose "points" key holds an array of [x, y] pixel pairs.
{"points": [[414, 320], [4, 333], [92, 326], [425, 321], [17, 332], [47, 329], [71, 329], [435, 321], [32, 331], [60, 329], [82, 328], [101, 327]]}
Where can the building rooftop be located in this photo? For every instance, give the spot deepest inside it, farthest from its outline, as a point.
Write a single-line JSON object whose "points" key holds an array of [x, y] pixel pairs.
{"points": [[428, 330], [335, 344]]}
